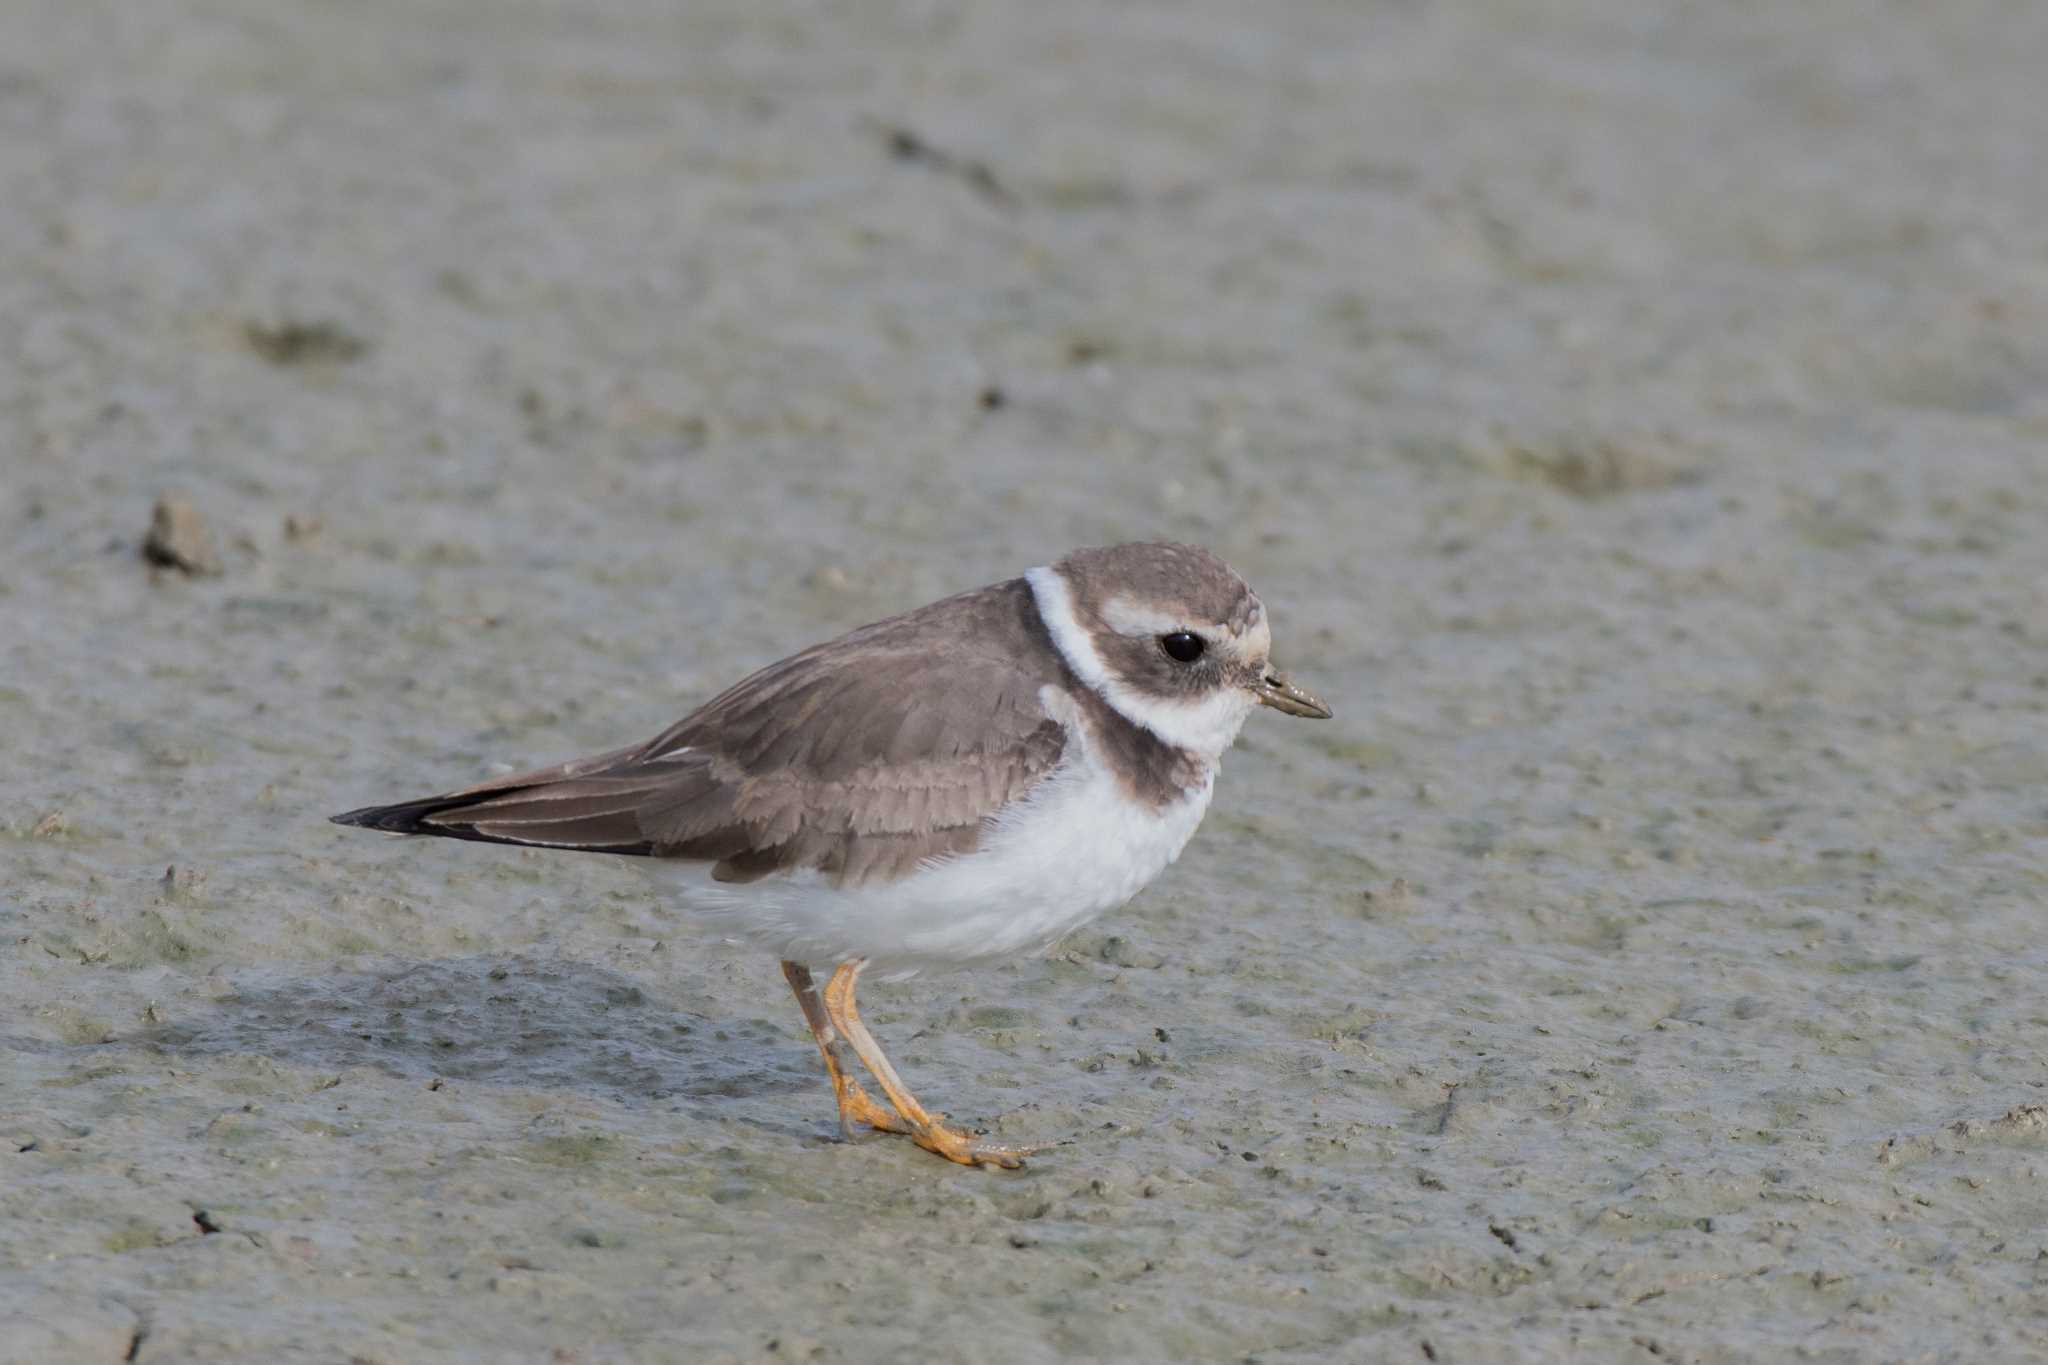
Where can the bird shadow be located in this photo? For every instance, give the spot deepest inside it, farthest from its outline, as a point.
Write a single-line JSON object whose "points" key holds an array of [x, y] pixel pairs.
{"points": [[498, 1020]]}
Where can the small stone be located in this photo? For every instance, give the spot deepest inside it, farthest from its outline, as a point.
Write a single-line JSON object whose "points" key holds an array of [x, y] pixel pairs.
{"points": [[179, 539], [1395, 899], [1119, 951]]}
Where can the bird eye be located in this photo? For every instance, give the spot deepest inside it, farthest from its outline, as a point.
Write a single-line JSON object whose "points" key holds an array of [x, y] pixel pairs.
{"points": [[1182, 646]]}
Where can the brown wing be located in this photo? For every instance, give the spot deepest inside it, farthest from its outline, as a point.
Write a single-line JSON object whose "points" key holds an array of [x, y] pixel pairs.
{"points": [[858, 758]]}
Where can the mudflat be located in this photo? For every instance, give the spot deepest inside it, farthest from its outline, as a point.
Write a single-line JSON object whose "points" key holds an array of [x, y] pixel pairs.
{"points": [[1632, 415]]}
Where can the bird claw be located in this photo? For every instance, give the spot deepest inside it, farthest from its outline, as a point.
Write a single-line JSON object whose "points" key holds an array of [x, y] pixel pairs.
{"points": [[970, 1149]]}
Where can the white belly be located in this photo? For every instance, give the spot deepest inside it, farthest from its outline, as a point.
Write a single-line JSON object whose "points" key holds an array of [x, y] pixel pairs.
{"points": [[1076, 847]]}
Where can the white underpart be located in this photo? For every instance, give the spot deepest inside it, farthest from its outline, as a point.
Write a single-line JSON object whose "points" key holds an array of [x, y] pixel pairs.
{"points": [[1208, 725], [1075, 846]]}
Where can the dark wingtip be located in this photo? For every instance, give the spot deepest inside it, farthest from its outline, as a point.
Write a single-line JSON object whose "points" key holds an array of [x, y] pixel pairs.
{"points": [[390, 819], [414, 817]]}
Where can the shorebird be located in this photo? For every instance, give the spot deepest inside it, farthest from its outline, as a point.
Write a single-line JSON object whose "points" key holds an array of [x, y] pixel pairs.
{"points": [[974, 778]]}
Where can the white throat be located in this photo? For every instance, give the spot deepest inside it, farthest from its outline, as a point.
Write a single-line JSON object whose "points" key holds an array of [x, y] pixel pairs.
{"points": [[1208, 725]]}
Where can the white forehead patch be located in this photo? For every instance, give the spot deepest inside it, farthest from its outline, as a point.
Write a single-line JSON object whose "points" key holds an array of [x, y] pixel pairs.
{"points": [[1257, 640]]}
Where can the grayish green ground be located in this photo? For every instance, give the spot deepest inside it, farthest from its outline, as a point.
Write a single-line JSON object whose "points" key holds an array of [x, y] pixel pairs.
{"points": [[1633, 413]]}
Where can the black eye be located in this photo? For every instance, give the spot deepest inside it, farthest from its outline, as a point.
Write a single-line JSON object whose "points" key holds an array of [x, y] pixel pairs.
{"points": [[1183, 646]]}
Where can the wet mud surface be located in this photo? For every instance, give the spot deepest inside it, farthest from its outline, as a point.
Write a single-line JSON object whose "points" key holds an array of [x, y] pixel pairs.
{"points": [[1633, 420]]}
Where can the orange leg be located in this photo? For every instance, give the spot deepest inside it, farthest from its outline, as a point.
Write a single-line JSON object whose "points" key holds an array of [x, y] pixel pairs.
{"points": [[927, 1129], [854, 1105]]}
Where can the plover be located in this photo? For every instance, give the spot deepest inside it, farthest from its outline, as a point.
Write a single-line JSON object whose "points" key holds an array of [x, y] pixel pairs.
{"points": [[971, 779]]}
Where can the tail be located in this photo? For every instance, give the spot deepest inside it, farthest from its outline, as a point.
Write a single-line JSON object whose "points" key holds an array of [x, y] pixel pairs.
{"points": [[400, 819], [571, 806], [417, 817]]}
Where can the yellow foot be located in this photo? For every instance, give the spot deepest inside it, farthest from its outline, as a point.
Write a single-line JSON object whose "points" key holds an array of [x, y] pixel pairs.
{"points": [[855, 1108], [935, 1136]]}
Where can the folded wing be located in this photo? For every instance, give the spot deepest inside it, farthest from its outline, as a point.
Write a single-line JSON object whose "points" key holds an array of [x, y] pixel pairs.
{"points": [[858, 759]]}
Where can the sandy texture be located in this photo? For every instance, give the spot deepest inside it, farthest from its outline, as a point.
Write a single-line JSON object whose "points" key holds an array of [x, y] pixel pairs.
{"points": [[1634, 414]]}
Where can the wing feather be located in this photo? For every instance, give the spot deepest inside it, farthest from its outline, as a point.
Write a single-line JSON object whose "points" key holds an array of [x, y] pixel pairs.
{"points": [[859, 759]]}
